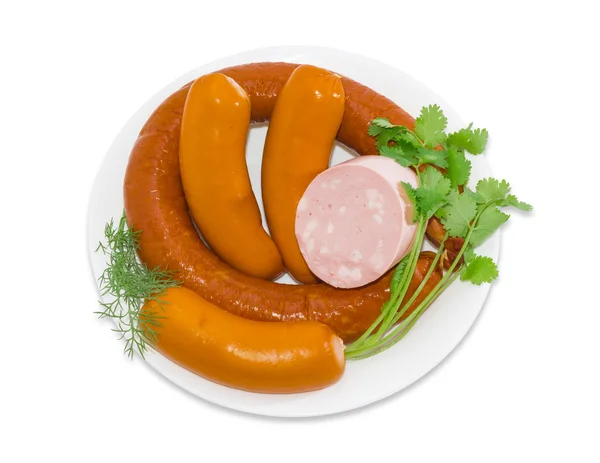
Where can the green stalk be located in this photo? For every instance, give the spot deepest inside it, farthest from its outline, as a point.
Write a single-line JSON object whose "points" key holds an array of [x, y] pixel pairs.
{"points": [[466, 240], [432, 267], [406, 277], [366, 334], [377, 346], [397, 298], [403, 328], [392, 305]]}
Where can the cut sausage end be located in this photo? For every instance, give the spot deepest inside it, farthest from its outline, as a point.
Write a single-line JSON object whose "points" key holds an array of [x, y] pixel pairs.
{"points": [[355, 222], [338, 350]]}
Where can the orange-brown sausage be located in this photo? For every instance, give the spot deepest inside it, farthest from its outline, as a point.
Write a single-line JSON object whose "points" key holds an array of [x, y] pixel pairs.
{"points": [[302, 129], [212, 159], [155, 204], [273, 358]]}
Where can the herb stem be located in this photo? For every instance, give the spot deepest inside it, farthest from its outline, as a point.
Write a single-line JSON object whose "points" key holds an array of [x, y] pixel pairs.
{"points": [[430, 271], [376, 345], [403, 328], [385, 318]]}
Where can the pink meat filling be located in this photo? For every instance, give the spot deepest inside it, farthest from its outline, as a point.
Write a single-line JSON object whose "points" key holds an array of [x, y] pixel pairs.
{"points": [[353, 222]]}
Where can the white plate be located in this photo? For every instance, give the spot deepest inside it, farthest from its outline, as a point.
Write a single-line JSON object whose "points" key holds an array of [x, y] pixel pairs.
{"points": [[436, 334]]}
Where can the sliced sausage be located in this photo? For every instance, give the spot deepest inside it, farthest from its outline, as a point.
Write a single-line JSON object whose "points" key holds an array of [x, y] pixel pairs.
{"points": [[354, 222]]}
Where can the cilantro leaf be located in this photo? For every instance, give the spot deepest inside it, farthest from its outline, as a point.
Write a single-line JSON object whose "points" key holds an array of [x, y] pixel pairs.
{"points": [[435, 157], [473, 141], [453, 196], [450, 199], [384, 131], [459, 167], [430, 125], [397, 154], [458, 214], [511, 200], [489, 221], [412, 195], [429, 201], [479, 270], [380, 123], [469, 254], [408, 138], [490, 189], [408, 148], [474, 196], [387, 135], [375, 130], [432, 192], [440, 213]]}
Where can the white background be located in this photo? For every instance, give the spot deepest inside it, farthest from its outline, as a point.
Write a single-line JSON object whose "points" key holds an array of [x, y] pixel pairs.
{"points": [[524, 385]]}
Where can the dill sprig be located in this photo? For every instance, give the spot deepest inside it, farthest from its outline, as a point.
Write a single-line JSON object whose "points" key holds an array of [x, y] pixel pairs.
{"points": [[126, 284]]}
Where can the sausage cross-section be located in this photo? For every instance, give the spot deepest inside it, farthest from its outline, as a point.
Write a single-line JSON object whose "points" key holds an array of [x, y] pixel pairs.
{"points": [[354, 221]]}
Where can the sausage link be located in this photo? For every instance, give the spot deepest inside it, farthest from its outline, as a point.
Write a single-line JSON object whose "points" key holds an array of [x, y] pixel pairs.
{"points": [[244, 354], [298, 147], [212, 157]]}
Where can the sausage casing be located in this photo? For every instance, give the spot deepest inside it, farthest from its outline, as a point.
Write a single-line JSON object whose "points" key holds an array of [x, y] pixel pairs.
{"points": [[273, 358], [212, 158]]}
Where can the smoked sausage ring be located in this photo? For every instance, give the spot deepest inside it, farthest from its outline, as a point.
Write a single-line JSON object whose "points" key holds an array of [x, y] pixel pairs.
{"points": [[155, 204]]}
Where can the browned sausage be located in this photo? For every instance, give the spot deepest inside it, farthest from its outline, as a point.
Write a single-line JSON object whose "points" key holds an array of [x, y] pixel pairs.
{"points": [[155, 204]]}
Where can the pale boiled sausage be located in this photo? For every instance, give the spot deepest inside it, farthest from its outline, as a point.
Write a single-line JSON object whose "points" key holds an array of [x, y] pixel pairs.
{"points": [[354, 221]]}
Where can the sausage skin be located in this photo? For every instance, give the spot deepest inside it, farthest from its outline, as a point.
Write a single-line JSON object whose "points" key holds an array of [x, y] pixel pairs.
{"points": [[155, 204], [212, 161], [298, 147], [274, 358]]}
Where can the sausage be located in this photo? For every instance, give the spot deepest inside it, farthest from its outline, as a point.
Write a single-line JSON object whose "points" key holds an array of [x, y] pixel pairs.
{"points": [[341, 212], [155, 204], [273, 358], [302, 129], [212, 159]]}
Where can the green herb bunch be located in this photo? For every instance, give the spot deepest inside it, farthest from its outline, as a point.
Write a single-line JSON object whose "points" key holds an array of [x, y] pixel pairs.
{"points": [[443, 170], [127, 284]]}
